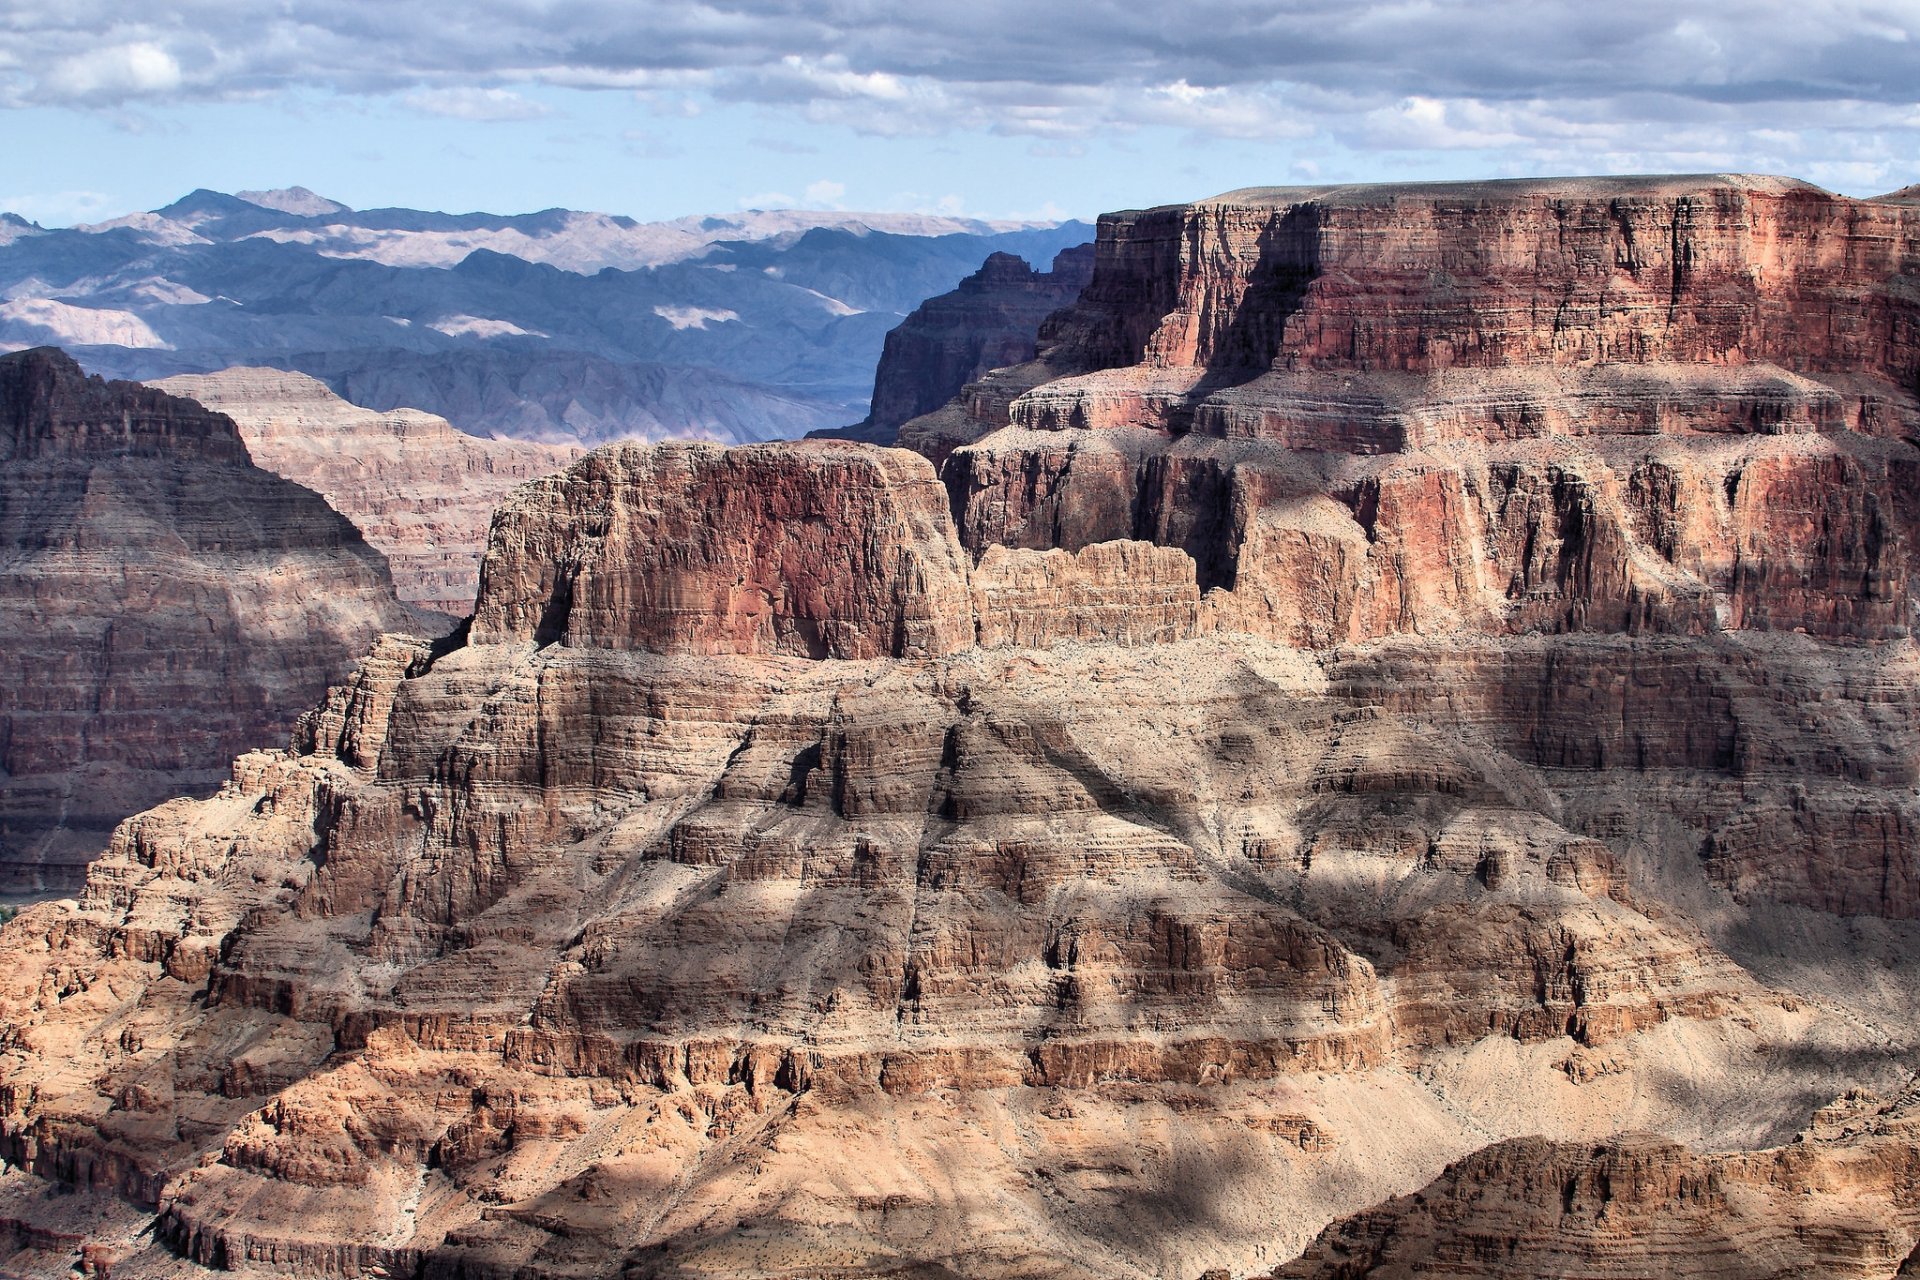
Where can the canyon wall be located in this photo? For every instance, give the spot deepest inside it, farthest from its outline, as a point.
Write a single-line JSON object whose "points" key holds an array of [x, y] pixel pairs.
{"points": [[1672, 405], [989, 321], [420, 492], [1136, 848], [166, 604]]}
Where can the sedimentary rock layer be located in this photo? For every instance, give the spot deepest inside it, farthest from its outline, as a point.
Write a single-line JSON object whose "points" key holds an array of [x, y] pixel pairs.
{"points": [[165, 604], [1673, 405], [419, 491], [1843, 1200], [648, 886], [1125, 854]]}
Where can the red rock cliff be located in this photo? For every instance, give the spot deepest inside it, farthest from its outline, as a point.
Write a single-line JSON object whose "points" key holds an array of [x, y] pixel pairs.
{"points": [[1649, 404]]}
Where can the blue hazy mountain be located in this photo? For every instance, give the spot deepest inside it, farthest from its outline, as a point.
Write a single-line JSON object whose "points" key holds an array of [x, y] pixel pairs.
{"points": [[550, 325]]}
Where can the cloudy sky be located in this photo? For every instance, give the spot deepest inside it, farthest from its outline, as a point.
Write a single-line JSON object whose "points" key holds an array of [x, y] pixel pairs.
{"points": [[994, 107]]}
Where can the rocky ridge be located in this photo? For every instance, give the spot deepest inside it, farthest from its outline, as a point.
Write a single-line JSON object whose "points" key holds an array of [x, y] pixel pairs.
{"points": [[166, 605], [806, 863], [1840, 1201], [420, 492], [990, 321]]}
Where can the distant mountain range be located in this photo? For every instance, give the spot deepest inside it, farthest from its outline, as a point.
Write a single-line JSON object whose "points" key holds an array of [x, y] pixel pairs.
{"points": [[558, 325]]}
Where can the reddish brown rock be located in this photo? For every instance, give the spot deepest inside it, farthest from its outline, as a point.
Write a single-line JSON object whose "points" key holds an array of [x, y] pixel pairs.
{"points": [[821, 550], [166, 604], [1300, 787], [1647, 404]]}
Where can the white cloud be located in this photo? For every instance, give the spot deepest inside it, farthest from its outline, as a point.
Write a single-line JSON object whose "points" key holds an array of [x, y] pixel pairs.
{"points": [[1536, 82], [824, 194], [467, 103], [113, 73], [768, 200]]}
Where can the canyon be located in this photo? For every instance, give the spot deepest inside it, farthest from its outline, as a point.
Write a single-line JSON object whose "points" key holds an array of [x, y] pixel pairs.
{"points": [[420, 492], [166, 605], [1386, 747]]}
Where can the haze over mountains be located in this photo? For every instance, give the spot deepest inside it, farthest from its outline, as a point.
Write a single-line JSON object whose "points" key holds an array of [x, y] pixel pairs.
{"points": [[557, 325]]}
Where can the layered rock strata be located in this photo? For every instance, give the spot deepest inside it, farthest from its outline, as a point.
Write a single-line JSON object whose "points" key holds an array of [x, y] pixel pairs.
{"points": [[419, 491], [1843, 1200], [1125, 854], [1674, 405], [991, 320], [598, 933], [165, 604]]}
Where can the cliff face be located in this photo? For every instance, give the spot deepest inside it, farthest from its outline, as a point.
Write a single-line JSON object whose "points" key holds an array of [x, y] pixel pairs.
{"points": [[1662, 405], [166, 604], [991, 320], [816, 551], [420, 492], [1125, 853]]}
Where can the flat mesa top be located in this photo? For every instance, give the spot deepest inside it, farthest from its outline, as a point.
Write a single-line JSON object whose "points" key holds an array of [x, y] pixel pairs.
{"points": [[1658, 184]]}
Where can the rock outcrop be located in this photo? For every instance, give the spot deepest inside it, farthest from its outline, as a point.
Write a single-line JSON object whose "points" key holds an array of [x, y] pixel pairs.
{"points": [[1125, 852], [1843, 1200], [820, 551], [1671, 405], [420, 492], [165, 603], [991, 320]]}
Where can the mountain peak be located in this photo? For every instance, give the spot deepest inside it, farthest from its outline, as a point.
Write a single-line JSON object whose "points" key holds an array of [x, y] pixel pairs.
{"points": [[295, 200]]}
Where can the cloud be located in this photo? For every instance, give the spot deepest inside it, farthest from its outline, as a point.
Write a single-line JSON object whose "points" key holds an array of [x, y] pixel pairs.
{"points": [[768, 200], [114, 73], [469, 103], [824, 194], [1532, 80]]}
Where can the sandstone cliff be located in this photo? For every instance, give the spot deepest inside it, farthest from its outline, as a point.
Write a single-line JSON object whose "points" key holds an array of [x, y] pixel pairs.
{"points": [[1126, 858], [165, 604], [989, 321], [419, 491], [1655, 404]]}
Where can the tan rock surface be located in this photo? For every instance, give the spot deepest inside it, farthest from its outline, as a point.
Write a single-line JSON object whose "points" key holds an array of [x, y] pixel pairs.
{"points": [[418, 490], [1842, 1200]]}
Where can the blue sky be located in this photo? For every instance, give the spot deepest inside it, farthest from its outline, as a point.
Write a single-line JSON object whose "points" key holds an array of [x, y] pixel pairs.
{"points": [[992, 108]]}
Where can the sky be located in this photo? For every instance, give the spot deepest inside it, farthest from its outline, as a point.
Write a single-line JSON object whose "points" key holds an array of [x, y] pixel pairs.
{"points": [[996, 108]]}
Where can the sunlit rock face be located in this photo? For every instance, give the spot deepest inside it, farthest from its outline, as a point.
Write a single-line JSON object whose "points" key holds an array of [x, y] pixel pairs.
{"points": [[420, 492], [1134, 849]]}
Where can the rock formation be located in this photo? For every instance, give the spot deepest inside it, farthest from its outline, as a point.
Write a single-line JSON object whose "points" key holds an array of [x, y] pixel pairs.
{"points": [[420, 492], [1669, 405], [1125, 852], [990, 321], [1842, 1200], [165, 604]]}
